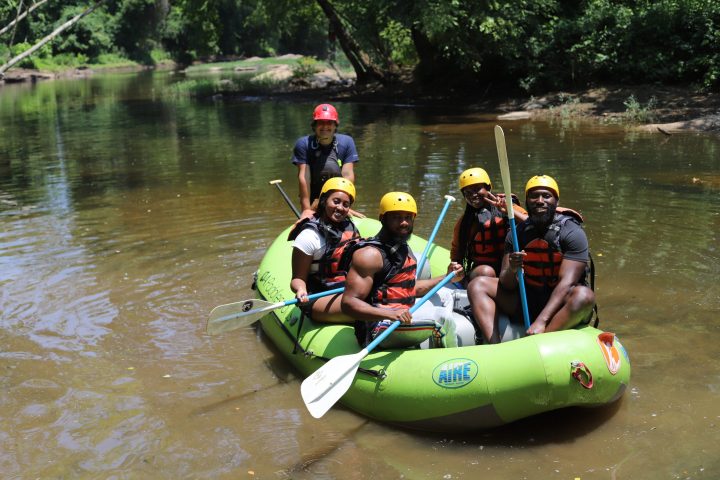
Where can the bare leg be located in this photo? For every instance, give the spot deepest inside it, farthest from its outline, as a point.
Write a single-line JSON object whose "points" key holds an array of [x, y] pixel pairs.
{"points": [[327, 310], [486, 296], [579, 301], [481, 271]]}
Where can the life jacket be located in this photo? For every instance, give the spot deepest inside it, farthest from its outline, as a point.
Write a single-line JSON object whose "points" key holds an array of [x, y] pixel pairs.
{"points": [[394, 285], [541, 265], [487, 239], [323, 165], [337, 238]]}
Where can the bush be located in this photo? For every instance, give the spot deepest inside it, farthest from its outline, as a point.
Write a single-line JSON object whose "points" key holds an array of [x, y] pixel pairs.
{"points": [[636, 112], [306, 68]]}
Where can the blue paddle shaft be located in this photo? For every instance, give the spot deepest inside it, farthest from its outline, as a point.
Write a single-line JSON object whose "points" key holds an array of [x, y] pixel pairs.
{"points": [[417, 305], [521, 280], [316, 295], [421, 264]]}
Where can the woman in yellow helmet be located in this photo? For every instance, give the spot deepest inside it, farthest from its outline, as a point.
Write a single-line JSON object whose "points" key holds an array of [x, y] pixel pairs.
{"points": [[318, 245], [479, 236]]}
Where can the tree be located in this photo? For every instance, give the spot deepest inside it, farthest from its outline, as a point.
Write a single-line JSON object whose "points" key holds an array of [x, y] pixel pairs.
{"points": [[45, 40], [365, 70]]}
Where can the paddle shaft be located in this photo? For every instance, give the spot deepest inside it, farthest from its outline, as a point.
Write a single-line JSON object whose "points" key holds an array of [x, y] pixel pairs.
{"points": [[417, 305], [287, 199], [322, 389], [423, 257], [281, 304], [226, 318], [505, 173]]}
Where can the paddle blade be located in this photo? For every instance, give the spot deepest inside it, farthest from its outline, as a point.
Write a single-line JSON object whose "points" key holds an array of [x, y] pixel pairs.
{"points": [[504, 168], [321, 390], [231, 316]]}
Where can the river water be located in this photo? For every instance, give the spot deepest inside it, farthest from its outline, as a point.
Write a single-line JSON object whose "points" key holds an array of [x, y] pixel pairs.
{"points": [[128, 211]]}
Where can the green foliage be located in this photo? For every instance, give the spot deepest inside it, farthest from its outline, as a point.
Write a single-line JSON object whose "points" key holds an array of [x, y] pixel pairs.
{"points": [[305, 68], [398, 39], [531, 45], [88, 38], [636, 112], [113, 60]]}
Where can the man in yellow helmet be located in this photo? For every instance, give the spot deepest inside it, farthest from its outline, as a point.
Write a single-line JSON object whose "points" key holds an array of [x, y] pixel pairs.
{"points": [[554, 258], [381, 281]]}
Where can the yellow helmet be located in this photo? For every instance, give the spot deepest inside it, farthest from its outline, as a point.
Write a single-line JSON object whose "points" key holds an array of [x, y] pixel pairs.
{"points": [[397, 202], [473, 176], [339, 183], [545, 181]]}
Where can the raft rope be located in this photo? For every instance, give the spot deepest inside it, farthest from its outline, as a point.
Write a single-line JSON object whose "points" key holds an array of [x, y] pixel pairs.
{"points": [[578, 370]]}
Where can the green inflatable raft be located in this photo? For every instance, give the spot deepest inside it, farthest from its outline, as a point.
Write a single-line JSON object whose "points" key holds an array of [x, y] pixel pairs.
{"points": [[448, 389]]}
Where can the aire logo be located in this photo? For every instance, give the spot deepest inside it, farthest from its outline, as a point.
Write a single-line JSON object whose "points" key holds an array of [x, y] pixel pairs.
{"points": [[455, 373]]}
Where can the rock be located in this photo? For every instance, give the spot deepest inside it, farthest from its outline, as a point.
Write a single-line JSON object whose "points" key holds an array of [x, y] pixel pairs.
{"points": [[521, 115]]}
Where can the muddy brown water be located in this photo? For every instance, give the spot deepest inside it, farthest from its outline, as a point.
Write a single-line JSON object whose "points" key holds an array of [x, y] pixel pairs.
{"points": [[127, 212]]}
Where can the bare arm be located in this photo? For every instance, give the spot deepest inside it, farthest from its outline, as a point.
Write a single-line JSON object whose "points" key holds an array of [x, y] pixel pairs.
{"points": [[366, 262], [348, 171], [424, 286], [570, 273], [300, 270], [511, 263], [455, 255], [303, 189]]}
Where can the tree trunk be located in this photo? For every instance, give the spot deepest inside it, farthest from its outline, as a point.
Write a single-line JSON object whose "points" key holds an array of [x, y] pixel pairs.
{"points": [[21, 16], [426, 52], [45, 40], [365, 69]]}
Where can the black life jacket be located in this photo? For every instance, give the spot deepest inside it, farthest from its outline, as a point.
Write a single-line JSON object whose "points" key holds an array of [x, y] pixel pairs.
{"points": [[337, 238], [324, 164], [541, 265], [394, 285]]}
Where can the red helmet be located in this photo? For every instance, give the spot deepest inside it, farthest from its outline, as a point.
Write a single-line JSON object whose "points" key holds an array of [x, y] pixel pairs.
{"points": [[325, 112]]}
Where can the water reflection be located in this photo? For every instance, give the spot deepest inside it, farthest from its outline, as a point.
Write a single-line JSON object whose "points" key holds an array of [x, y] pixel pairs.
{"points": [[128, 212]]}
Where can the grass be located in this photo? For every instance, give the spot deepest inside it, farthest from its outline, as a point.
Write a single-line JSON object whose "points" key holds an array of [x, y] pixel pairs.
{"points": [[209, 87], [258, 63]]}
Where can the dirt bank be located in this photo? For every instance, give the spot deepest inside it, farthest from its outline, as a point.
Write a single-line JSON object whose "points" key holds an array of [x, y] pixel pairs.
{"points": [[660, 109]]}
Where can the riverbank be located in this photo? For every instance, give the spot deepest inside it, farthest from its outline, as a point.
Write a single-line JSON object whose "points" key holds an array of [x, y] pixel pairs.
{"points": [[660, 109], [24, 75]]}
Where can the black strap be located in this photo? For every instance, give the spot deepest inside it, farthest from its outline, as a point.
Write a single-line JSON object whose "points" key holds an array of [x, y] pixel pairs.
{"points": [[307, 353]]}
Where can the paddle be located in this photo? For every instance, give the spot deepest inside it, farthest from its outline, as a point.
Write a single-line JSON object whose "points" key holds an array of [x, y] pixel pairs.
{"points": [[287, 199], [231, 316], [505, 173], [448, 200], [321, 390]]}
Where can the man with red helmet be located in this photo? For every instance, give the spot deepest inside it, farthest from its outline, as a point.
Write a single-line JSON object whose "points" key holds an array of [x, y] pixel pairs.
{"points": [[323, 155]]}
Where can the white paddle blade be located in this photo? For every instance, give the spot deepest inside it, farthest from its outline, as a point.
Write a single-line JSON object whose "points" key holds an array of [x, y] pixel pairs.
{"points": [[321, 390], [504, 168], [231, 316]]}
